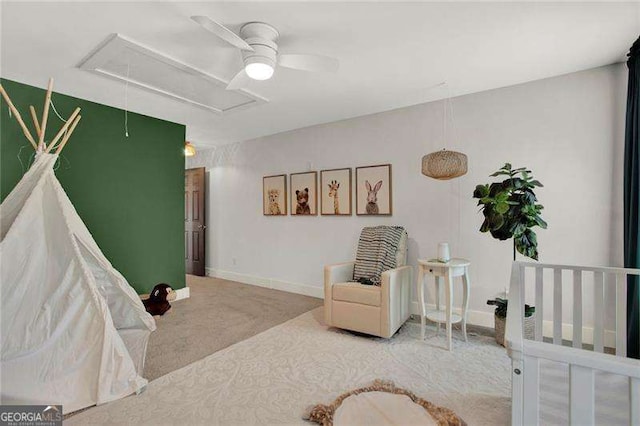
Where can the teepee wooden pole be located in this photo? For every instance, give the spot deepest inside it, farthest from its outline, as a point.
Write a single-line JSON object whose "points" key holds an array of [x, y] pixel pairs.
{"points": [[15, 112], [62, 130], [34, 117], [66, 138], [45, 116]]}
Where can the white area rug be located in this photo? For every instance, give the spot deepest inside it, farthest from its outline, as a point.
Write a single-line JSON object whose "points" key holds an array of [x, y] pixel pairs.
{"points": [[272, 377]]}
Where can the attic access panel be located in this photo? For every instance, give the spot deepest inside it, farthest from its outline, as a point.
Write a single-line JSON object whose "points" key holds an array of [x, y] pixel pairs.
{"points": [[128, 61]]}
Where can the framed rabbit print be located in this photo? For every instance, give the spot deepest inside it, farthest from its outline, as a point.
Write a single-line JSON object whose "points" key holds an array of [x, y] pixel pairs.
{"points": [[304, 194], [373, 190], [274, 195]]}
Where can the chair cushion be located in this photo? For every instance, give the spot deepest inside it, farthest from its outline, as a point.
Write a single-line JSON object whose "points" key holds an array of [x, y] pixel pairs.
{"points": [[357, 293]]}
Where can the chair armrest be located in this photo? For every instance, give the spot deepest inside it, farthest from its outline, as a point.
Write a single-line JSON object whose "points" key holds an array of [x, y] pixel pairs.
{"points": [[338, 273], [395, 299]]}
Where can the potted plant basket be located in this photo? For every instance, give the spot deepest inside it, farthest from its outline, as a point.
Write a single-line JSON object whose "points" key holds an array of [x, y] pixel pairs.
{"points": [[500, 316]]}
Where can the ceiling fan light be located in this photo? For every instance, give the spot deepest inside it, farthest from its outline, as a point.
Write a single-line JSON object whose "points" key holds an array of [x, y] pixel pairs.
{"points": [[259, 71], [189, 149]]}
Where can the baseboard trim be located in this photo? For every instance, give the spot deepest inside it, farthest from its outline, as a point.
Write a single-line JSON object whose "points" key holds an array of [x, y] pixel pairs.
{"points": [[183, 293], [485, 319], [479, 318], [271, 283]]}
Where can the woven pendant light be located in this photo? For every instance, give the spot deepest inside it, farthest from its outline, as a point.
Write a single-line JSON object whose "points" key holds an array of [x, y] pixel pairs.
{"points": [[444, 165]]}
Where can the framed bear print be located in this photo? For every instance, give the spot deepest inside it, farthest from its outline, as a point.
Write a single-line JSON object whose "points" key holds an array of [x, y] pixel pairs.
{"points": [[373, 190], [304, 193], [274, 195], [335, 192]]}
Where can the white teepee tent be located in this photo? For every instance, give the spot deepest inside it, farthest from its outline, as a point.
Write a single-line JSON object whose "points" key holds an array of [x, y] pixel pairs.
{"points": [[73, 332]]}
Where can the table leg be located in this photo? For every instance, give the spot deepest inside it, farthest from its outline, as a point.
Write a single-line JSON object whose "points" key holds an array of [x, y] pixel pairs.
{"points": [[466, 289], [438, 302], [423, 310], [449, 301]]}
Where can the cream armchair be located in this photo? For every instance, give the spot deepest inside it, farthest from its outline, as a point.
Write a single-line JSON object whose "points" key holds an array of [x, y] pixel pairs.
{"points": [[369, 309]]}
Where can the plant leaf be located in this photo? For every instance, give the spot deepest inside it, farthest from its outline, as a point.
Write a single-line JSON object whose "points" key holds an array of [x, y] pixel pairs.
{"points": [[496, 221], [481, 191], [502, 207]]}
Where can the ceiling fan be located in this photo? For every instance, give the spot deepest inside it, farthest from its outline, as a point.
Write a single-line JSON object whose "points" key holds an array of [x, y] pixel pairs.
{"points": [[258, 44]]}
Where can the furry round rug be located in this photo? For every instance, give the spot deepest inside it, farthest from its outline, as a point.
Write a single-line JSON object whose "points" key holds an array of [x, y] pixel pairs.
{"points": [[324, 414]]}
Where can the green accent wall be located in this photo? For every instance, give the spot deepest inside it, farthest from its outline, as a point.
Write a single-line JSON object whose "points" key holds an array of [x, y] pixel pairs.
{"points": [[129, 191]]}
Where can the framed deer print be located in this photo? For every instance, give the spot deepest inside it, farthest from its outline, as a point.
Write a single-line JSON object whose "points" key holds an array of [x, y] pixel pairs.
{"points": [[335, 192], [304, 194], [373, 190], [274, 195]]}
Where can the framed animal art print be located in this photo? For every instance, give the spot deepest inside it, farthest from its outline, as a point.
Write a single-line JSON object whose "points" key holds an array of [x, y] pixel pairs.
{"points": [[373, 190], [335, 192], [274, 195], [304, 194]]}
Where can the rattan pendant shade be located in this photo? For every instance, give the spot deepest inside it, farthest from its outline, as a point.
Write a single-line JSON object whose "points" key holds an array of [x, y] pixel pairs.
{"points": [[444, 165]]}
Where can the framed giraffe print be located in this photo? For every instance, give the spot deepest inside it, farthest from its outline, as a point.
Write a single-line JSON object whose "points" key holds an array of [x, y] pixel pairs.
{"points": [[335, 192], [274, 195], [304, 193]]}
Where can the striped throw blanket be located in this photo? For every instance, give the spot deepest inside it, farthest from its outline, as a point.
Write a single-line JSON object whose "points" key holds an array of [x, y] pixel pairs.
{"points": [[376, 252]]}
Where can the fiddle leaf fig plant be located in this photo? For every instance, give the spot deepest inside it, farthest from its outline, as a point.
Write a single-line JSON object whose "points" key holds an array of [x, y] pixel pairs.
{"points": [[511, 209]]}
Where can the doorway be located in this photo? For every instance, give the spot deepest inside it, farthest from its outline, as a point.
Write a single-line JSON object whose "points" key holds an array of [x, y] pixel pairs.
{"points": [[194, 221]]}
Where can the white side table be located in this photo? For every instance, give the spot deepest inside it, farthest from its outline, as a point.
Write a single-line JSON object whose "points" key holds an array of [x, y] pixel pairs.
{"points": [[450, 270]]}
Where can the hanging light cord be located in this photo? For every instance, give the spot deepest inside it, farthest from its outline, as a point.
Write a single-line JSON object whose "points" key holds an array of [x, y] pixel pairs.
{"points": [[454, 133], [447, 113], [444, 122], [449, 104], [126, 101]]}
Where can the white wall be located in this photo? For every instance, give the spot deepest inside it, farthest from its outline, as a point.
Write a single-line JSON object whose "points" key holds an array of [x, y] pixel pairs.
{"points": [[567, 129]]}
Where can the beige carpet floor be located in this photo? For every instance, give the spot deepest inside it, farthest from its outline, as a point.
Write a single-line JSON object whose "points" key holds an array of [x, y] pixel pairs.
{"points": [[271, 378], [218, 314]]}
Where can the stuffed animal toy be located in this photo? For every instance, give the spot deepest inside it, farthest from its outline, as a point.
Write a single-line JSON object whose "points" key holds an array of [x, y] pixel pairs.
{"points": [[158, 301]]}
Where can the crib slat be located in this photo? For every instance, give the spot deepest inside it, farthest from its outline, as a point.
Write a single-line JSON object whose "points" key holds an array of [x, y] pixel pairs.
{"points": [[557, 306], [577, 308], [634, 400], [598, 312], [621, 315], [531, 390], [539, 311], [581, 396]]}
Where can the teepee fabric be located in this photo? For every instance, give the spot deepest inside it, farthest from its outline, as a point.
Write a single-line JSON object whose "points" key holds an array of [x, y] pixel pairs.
{"points": [[73, 332]]}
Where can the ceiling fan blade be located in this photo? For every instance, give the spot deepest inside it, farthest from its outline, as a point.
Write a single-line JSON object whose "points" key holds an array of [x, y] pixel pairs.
{"points": [[221, 31], [238, 81], [313, 63]]}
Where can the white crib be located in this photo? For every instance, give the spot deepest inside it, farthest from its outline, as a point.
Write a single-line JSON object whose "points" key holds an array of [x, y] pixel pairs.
{"points": [[528, 279]]}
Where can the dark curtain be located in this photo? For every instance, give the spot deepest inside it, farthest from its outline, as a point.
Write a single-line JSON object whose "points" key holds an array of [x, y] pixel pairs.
{"points": [[632, 200]]}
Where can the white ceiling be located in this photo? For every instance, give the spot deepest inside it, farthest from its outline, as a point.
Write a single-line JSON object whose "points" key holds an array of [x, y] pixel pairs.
{"points": [[392, 54]]}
